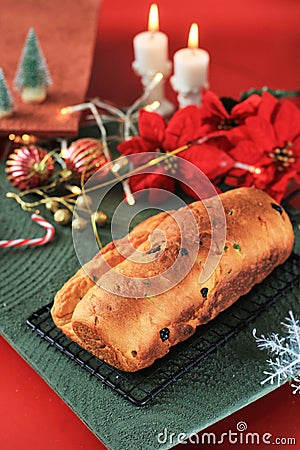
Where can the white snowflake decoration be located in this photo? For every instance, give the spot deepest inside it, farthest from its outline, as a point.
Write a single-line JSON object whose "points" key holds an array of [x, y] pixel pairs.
{"points": [[286, 350]]}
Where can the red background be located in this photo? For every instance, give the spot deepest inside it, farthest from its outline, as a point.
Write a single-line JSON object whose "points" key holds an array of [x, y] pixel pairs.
{"points": [[251, 44]]}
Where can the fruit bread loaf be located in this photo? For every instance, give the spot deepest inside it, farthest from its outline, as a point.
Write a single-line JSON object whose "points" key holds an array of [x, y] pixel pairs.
{"points": [[131, 332]]}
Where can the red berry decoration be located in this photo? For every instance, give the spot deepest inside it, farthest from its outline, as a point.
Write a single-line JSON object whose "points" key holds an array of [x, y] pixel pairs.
{"points": [[85, 156], [29, 167]]}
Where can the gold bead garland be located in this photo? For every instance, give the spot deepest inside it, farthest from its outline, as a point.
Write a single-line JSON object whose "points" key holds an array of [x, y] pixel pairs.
{"points": [[62, 216], [79, 224]]}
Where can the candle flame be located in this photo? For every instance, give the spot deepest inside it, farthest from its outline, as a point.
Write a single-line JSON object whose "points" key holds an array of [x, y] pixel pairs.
{"points": [[193, 40], [153, 20]]}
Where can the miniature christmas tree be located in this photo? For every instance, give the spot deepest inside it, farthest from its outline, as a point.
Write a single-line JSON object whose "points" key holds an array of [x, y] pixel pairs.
{"points": [[32, 76], [6, 102]]}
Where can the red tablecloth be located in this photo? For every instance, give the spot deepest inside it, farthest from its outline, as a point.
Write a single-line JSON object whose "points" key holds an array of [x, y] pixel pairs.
{"points": [[68, 48], [32, 415], [252, 44]]}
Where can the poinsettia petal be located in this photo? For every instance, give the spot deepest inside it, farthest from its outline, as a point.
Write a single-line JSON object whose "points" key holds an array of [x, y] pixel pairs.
{"points": [[246, 108], [265, 178], [238, 178], [247, 152], [287, 123], [296, 153], [212, 105], [213, 112], [296, 146], [199, 190], [277, 189], [268, 106], [134, 145], [220, 141], [183, 127], [156, 179], [152, 127], [281, 182], [236, 134], [297, 176], [212, 161], [262, 133]]}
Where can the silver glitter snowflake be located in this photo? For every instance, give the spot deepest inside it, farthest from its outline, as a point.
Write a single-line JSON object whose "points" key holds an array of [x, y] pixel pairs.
{"points": [[285, 366]]}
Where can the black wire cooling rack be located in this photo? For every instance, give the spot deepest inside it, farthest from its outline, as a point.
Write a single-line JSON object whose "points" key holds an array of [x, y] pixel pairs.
{"points": [[140, 387]]}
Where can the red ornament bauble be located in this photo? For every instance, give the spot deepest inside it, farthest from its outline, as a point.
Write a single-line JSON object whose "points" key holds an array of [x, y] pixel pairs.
{"points": [[85, 156], [29, 167]]}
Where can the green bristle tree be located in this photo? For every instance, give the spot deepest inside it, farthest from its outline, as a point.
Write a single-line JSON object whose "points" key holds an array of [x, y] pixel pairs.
{"points": [[7, 105], [32, 76]]}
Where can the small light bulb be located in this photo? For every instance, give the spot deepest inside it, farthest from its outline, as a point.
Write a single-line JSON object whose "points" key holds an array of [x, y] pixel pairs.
{"points": [[130, 199], [153, 106], [158, 77], [155, 81], [115, 168], [75, 190], [25, 138], [64, 153]]}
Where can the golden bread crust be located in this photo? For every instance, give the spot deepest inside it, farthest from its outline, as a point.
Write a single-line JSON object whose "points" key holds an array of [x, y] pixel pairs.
{"points": [[131, 333]]}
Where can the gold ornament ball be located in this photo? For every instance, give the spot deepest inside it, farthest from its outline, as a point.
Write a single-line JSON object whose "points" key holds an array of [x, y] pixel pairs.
{"points": [[84, 201], [65, 175], [100, 218], [52, 205], [62, 216], [79, 224]]}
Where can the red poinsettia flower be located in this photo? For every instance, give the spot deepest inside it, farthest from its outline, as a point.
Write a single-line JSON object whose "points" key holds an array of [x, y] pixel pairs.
{"points": [[218, 118], [158, 136], [270, 147], [152, 133]]}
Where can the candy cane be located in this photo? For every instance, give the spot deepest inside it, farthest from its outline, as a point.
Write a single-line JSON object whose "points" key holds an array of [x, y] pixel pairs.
{"points": [[36, 241]]}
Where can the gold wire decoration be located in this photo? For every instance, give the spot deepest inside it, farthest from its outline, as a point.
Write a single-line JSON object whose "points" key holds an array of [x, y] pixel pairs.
{"points": [[92, 215], [70, 199]]}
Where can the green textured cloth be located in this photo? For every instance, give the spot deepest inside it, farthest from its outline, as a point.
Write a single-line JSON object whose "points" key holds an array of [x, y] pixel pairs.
{"points": [[224, 382]]}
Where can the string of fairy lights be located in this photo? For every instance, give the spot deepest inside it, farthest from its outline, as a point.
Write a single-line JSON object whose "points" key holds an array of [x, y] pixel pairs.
{"points": [[63, 206]]}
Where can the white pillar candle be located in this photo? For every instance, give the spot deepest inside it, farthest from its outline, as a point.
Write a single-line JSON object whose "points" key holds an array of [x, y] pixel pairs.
{"points": [[191, 68], [151, 51], [151, 57], [151, 47]]}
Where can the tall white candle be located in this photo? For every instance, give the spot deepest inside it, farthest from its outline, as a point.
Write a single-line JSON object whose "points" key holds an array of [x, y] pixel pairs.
{"points": [[151, 58], [151, 47], [191, 68]]}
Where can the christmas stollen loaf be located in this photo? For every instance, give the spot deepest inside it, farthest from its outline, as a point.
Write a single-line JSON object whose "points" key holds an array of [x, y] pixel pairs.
{"points": [[131, 333]]}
